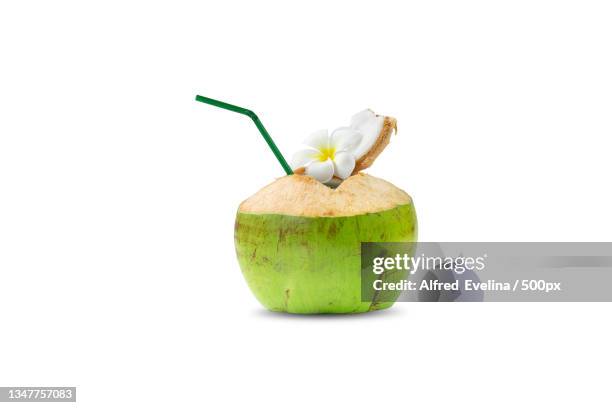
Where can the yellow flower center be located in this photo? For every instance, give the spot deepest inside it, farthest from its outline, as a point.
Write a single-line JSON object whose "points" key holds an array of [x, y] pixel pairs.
{"points": [[326, 153]]}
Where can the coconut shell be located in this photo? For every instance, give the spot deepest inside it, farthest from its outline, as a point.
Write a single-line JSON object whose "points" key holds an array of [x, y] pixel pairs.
{"points": [[299, 243], [389, 126], [304, 196]]}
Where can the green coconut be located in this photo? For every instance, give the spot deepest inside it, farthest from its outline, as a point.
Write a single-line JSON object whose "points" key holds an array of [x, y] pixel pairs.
{"points": [[298, 241]]}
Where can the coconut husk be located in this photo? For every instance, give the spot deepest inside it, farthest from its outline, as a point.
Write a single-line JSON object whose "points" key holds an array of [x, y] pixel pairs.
{"points": [[300, 195]]}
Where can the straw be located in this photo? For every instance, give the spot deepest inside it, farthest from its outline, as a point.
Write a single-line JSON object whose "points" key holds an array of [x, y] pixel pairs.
{"points": [[260, 127]]}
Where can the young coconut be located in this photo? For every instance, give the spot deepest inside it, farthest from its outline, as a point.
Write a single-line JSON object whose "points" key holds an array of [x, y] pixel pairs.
{"points": [[298, 241]]}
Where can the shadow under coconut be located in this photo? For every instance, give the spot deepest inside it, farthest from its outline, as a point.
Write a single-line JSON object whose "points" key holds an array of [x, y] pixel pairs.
{"points": [[392, 312]]}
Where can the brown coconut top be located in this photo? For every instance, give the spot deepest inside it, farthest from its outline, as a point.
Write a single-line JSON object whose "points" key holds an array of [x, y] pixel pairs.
{"points": [[304, 196]]}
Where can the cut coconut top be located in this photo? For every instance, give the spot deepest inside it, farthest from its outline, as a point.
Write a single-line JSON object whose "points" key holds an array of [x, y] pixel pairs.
{"points": [[348, 150], [304, 196]]}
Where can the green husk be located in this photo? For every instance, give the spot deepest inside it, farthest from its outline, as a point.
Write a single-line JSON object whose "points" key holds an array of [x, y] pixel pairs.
{"points": [[312, 264]]}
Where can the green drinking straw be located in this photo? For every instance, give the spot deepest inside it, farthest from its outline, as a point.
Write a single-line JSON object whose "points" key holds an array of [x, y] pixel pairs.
{"points": [[260, 127]]}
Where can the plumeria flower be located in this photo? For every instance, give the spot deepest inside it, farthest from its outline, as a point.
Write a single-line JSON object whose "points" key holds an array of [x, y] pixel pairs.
{"points": [[327, 156]]}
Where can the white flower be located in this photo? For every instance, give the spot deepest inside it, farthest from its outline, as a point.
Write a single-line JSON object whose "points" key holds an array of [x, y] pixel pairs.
{"points": [[328, 156]]}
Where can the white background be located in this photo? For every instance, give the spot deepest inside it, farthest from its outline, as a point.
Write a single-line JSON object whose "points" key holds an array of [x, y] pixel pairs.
{"points": [[118, 194]]}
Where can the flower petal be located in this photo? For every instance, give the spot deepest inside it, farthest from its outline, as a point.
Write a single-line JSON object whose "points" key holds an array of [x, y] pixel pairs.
{"points": [[345, 139], [344, 163], [318, 140], [304, 157], [322, 171]]}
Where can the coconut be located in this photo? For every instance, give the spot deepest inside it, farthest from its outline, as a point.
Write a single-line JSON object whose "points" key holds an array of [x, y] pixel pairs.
{"points": [[298, 241], [375, 131]]}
